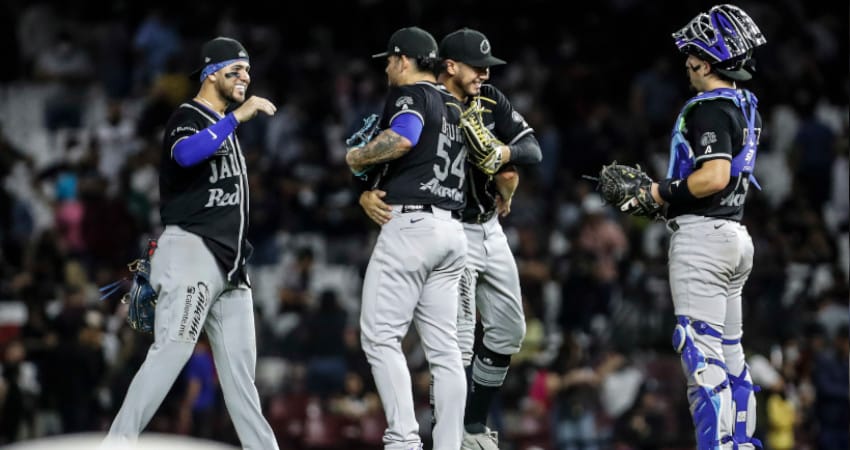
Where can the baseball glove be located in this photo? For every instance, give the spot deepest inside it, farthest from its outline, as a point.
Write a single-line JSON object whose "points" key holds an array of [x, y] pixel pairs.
{"points": [[362, 137], [628, 188], [485, 150], [141, 297]]}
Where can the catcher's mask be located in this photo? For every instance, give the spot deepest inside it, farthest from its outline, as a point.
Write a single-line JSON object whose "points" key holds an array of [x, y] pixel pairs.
{"points": [[725, 36]]}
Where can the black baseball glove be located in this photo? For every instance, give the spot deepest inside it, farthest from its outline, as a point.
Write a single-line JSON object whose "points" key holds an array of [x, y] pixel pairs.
{"points": [[141, 297], [629, 189], [362, 137]]}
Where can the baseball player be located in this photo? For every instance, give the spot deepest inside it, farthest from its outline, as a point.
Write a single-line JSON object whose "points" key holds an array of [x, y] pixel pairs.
{"points": [[713, 154], [490, 278], [198, 268], [418, 162]]}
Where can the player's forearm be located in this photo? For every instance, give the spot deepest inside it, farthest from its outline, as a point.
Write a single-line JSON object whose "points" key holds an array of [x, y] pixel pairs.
{"points": [[199, 146], [387, 146], [709, 179], [526, 151], [507, 182]]}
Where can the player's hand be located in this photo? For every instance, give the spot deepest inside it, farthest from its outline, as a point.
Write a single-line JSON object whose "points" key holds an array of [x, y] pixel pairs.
{"points": [[249, 108], [506, 183], [374, 207], [503, 207]]}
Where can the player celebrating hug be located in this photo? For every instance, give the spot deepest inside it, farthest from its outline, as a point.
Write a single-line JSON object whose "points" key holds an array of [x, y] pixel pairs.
{"points": [[418, 162], [490, 278], [712, 157]]}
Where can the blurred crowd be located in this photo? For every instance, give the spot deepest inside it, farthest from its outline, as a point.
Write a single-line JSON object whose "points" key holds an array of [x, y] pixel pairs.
{"points": [[88, 87]]}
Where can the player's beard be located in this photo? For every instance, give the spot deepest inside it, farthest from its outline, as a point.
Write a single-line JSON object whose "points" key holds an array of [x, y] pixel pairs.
{"points": [[229, 97]]}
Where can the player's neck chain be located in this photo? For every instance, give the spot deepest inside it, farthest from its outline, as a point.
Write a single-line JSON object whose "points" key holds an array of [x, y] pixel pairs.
{"points": [[206, 102]]}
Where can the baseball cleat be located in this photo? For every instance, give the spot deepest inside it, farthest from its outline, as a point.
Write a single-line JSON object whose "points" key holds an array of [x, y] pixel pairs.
{"points": [[488, 440]]}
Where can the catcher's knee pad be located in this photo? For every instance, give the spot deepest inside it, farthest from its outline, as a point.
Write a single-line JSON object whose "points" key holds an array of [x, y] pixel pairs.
{"points": [[466, 315], [744, 406], [706, 403]]}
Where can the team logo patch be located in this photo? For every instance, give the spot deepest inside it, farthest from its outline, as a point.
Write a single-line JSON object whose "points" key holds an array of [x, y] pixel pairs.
{"points": [[404, 101], [485, 47], [708, 138]]}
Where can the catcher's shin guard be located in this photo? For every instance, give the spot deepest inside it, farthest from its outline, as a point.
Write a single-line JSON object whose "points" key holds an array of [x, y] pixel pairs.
{"points": [[744, 405], [706, 385]]}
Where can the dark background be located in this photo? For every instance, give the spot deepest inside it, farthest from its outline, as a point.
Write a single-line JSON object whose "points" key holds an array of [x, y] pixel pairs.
{"points": [[83, 98]]}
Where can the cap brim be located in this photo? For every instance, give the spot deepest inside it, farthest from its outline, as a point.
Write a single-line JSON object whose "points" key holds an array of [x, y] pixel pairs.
{"points": [[381, 55], [195, 74], [487, 61]]}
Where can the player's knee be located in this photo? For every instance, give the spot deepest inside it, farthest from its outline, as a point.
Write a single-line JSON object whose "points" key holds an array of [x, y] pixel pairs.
{"points": [[693, 340], [513, 338], [175, 351]]}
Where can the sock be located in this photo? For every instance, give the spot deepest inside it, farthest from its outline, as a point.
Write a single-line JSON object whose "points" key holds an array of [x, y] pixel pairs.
{"points": [[488, 373]]}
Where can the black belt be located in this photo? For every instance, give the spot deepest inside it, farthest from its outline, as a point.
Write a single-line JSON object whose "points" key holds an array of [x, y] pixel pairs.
{"points": [[478, 218], [425, 208], [673, 225]]}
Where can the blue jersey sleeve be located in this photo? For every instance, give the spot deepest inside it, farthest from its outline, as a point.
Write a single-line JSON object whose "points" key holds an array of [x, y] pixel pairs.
{"points": [[408, 125], [195, 148]]}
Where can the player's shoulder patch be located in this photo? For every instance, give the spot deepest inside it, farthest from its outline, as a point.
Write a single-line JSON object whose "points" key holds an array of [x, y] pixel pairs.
{"points": [[404, 101], [707, 138]]}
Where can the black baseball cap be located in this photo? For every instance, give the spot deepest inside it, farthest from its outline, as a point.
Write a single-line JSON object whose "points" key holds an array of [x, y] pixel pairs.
{"points": [[218, 50], [411, 41], [469, 47]]}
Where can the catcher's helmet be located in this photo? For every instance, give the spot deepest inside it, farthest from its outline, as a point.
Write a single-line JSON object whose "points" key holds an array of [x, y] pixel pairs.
{"points": [[725, 36]]}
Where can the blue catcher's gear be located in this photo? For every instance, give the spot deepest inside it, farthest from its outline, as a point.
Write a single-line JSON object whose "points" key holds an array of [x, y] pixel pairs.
{"points": [[744, 405], [725, 37], [682, 162], [706, 403]]}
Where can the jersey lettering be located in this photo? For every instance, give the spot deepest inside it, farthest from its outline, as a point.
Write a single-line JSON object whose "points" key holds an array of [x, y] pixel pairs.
{"points": [[738, 195], [439, 190], [220, 198], [446, 166], [746, 134], [224, 167]]}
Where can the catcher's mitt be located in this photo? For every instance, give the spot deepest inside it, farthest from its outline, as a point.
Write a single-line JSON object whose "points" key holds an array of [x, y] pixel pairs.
{"points": [[485, 150], [628, 188], [362, 137], [141, 297]]}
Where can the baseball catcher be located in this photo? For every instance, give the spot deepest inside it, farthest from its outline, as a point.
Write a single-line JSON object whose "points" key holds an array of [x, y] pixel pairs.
{"points": [[484, 148], [629, 189]]}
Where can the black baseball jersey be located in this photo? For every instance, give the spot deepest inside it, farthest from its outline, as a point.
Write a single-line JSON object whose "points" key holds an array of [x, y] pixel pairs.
{"points": [[509, 126], [717, 129], [209, 199], [433, 171]]}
